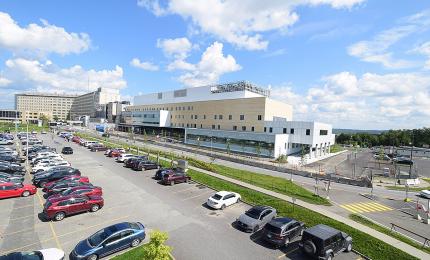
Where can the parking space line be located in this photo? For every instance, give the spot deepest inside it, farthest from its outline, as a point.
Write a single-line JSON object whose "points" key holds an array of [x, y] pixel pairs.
{"points": [[54, 235], [289, 252], [190, 188], [193, 197], [13, 219], [32, 244]]}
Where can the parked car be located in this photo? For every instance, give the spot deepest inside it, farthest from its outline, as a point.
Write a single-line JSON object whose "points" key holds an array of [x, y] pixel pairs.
{"points": [[115, 152], [11, 169], [145, 165], [110, 240], [11, 158], [160, 173], [67, 150], [11, 189], [403, 160], [76, 139], [53, 174], [281, 231], [105, 135], [87, 143], [6, 177], [324, 242], [84, 189], [425, 194], [47, 166], [128, 163], [76, 178], [62, 186], [255, 218], [172, 178], [124, 156], [98, 147], [223, 199], [47, 254], [58, 209], [5, 142]]}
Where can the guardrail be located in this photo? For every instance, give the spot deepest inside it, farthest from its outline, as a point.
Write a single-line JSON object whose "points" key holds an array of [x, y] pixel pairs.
{"points": [[426, 239]]}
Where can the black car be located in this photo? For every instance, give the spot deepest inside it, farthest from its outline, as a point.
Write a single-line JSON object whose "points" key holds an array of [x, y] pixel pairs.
{"points": [[324, 242], [11, 177], [53, 174], [14, 166], [67, 150], [280, 231], [11, 169], [11, 158], [145, 165]]}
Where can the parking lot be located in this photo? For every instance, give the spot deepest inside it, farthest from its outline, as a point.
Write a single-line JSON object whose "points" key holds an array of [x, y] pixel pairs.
{"points": [[195, 231]]}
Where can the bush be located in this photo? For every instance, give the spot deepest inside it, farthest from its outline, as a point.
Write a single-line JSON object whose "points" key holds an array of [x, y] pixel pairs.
{"points": [[282, 159]]}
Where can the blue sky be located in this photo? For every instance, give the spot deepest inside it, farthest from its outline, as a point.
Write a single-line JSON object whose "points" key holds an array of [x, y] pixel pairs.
{"points": [[353, 63]]}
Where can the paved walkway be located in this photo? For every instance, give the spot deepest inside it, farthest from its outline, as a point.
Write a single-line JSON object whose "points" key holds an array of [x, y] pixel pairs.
{"points": [[323, 210]]}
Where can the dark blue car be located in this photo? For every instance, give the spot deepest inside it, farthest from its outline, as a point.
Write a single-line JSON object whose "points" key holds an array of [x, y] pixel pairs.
{"points": [[110, 240]]}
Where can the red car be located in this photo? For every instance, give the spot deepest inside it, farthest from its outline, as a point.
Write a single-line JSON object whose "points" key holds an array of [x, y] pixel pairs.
{"points": [[115, 152], [79, 190], [171, 178], [76, 139], [10, 189], [58, 209], [74, 178]]}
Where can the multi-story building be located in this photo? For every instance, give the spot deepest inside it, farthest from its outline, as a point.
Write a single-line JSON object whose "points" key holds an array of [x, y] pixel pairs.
{"points": [[114, 109], [33, 105], [94, 104], [237, 116]]}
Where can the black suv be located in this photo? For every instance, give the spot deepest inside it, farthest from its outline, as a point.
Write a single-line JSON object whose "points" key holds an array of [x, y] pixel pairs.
{"points": [[324, 242], [280, 231], [67, 150], [146, 165], [54, 174]]}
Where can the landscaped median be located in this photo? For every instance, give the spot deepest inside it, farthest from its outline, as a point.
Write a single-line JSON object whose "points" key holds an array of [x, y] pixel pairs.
{"points": [[363, 242]]}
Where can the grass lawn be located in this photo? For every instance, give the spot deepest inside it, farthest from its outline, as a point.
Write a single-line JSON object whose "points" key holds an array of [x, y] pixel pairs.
{"points": [[21, 127], [135, 253], [401, 187], [336, 148], [387, 231]]}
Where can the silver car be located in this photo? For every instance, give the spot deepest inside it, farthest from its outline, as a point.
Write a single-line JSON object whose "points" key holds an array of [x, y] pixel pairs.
{"points": [[255, 218]]}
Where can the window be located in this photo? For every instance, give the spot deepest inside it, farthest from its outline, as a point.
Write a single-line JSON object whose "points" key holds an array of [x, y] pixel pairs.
{"points": [[292, 131], [218, 127], [242, 117], [220, 117], [201, 126], [126, 233], [195, 116], [308, 131], [284, 130], [189, 108], [259, 117], [270, 129], [323, 132], [252, 129], [213, 126], [230, 117], [113, 238], [215, 116], [265, 129], [243, 128], [192, 116], [204, 116], [235, 127]]}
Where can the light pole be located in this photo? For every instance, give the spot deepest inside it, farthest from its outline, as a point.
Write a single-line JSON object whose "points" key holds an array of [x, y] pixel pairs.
{"points": [[410, 165]]}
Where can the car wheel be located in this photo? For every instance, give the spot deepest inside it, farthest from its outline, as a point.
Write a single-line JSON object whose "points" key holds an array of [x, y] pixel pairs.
{"points": [[92, 257], [95, 207], [238, 200], [135, 242], [329, 257], [349, 248], [59, 216], [223, 207], [309, 247], [26, 193], [256, 228]]}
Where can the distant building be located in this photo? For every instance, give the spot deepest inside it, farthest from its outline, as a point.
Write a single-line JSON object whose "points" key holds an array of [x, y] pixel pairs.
{"points": [[33, 105], [239, 117], [94, 104], [9, 115], [114, 110]]}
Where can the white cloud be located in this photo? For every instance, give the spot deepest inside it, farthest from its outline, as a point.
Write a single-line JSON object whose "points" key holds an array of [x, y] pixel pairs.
{"points": [[425, 50], [40, 39], [178, 48], [396, 100], [212, 65], [239, 22], [4, 81], [377, 49], [146, 65], [47, 77]]}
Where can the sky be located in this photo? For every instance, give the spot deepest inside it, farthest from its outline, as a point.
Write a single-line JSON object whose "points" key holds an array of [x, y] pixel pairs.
{"points": [[360, 64]]}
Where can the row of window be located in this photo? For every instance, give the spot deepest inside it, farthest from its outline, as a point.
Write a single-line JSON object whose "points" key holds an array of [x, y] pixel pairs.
{"points": [[284, 130], [216, 117], [215, 127]]}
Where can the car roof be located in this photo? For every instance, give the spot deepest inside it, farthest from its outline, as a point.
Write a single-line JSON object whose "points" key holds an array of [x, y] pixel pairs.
{"points": [[280, 222], [261, 208], [223, 193], [117, 227], [322, 231]]}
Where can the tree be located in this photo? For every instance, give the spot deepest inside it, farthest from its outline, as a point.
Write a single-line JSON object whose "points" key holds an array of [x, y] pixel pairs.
{"points": [[55, 118], [228, 146], [44, 119], [156, 249], [258, 149]]}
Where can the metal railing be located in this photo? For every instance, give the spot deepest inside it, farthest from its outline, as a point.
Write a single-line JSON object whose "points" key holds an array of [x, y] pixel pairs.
{"points": [[426, 239]]}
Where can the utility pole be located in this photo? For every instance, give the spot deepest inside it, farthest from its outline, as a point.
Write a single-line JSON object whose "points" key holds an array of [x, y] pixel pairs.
{"points": [[412, 146]]}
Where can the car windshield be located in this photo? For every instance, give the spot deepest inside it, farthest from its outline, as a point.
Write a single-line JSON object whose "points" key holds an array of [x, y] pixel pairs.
{"points": [[35, 255], [66, 192], [273, 229], [216, 197], [97, 238], [253, 213]]}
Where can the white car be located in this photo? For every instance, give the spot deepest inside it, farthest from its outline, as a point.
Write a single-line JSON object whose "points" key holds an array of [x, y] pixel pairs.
{"points": [[425, 194], [124, 156], [48, 166], [48, 254], [223, 199], [5, 142]]}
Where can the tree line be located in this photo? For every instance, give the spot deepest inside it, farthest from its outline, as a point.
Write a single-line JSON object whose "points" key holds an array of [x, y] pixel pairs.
{"points": [[404, 137]]}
